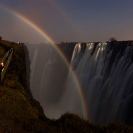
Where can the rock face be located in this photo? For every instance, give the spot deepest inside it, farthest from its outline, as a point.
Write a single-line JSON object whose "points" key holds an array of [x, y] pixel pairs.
{"points": [[16, 103]]}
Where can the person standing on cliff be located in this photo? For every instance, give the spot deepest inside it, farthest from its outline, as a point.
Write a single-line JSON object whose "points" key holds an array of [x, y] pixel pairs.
{"points": [[1, 67]]}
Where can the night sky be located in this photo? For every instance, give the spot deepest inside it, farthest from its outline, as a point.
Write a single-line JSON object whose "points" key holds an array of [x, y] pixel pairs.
{"points": [[67, 20]]}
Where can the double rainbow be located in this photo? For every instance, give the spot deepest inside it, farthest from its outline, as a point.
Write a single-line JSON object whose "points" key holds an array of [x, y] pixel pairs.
{"points": [[47, 37]]}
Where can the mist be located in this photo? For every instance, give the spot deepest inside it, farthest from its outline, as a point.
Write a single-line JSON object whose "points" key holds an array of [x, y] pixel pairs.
{"points": [[52, 83]]}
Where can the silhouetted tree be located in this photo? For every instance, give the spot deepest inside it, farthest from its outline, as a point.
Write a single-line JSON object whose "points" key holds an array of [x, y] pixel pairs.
{"points": [[0, 38], [112, 39]]}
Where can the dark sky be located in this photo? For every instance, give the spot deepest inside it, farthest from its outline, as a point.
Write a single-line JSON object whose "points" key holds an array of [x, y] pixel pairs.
{"points": [[68, 20]]}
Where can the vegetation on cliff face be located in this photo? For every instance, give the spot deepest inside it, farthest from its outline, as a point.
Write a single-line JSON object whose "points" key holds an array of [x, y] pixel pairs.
{"points": [[18, 112]]}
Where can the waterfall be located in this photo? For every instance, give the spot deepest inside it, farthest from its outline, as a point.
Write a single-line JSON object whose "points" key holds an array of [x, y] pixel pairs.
{"points": [[103, 81], [106, 76]]}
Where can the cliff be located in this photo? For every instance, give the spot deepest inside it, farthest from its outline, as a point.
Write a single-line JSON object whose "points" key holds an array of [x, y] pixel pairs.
{"points": [[20, 113]]}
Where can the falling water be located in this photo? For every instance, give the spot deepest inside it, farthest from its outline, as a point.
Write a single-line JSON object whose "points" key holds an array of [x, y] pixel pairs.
{"points": [[104, 72], [106, 75]]}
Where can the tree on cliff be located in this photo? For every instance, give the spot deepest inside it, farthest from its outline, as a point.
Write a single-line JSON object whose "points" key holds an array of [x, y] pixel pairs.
{"points": [[112, 39], [0, 38]]}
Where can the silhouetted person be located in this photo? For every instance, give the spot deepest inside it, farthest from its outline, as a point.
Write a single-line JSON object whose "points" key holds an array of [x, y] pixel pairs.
{"points": [[1, 67]]}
